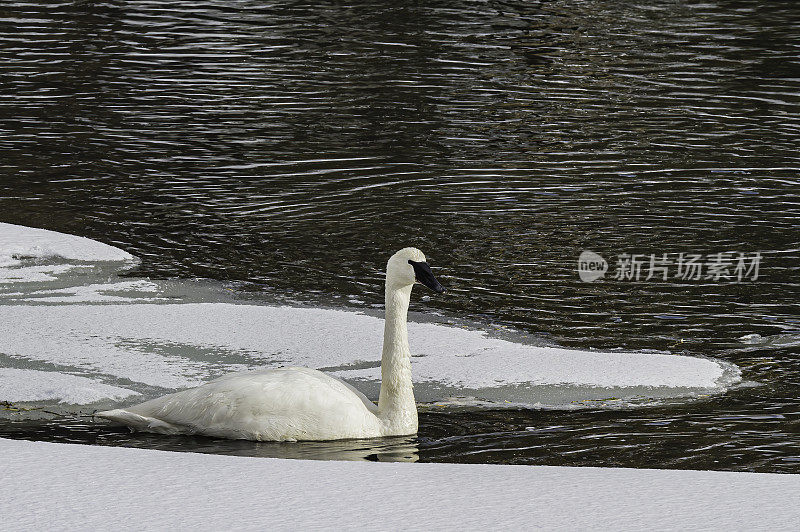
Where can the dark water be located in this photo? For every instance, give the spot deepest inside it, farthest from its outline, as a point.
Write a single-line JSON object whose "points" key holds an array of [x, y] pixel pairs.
{"points": [[290, 147]]}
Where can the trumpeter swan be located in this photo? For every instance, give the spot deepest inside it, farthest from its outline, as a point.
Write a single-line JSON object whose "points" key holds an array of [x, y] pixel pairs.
{"points": [[289, 404]]}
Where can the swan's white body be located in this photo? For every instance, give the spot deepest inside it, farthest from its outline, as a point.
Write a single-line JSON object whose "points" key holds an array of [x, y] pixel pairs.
{"points": [[288, 404]]}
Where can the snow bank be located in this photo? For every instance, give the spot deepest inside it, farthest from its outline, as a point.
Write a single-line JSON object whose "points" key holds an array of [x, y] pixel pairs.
{"points": [[180, 345], [64, 486], [17, 242], [32, 385]]}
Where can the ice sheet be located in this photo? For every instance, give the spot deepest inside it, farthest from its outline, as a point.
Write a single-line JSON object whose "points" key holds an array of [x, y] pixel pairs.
{"points": [[97, 293], [34, 274], [178, 345], [17, 385]]}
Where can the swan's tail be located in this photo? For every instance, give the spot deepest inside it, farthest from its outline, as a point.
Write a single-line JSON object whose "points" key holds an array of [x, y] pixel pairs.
{"points": [[138, 422]]}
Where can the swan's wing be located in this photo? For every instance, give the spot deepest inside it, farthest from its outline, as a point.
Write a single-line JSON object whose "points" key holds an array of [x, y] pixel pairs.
{"points": [[277, 404], [336, 384], [372, 407]]}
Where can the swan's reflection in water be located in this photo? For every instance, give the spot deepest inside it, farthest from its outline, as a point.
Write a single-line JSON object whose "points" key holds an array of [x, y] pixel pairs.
{"points": [[396, 449], [86, 431]]}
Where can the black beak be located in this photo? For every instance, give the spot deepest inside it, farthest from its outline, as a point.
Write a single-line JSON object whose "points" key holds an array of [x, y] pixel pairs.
{"points": [[425, 276]]}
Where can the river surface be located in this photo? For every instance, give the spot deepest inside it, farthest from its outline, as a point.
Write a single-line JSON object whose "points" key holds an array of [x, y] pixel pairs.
{"points": [[286, 149]]}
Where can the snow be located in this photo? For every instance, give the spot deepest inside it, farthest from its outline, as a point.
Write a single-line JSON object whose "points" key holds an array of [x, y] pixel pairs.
{"points": [[17, 241], [180, 345], [67, 487], [32, 385]]}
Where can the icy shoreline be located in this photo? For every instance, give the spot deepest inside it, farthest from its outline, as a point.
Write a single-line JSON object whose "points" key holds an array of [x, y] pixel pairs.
{"points": [[65, 486]]}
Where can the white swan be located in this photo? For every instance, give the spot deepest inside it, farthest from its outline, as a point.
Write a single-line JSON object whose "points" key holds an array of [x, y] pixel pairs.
{"points": [[289, 404]]}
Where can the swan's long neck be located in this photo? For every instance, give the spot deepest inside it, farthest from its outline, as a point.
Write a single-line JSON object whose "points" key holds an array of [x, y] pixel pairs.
{"points": [[396, 405]]}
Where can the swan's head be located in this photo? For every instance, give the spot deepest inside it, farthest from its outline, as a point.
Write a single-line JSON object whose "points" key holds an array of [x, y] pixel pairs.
{"points": [[408, 266]]}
